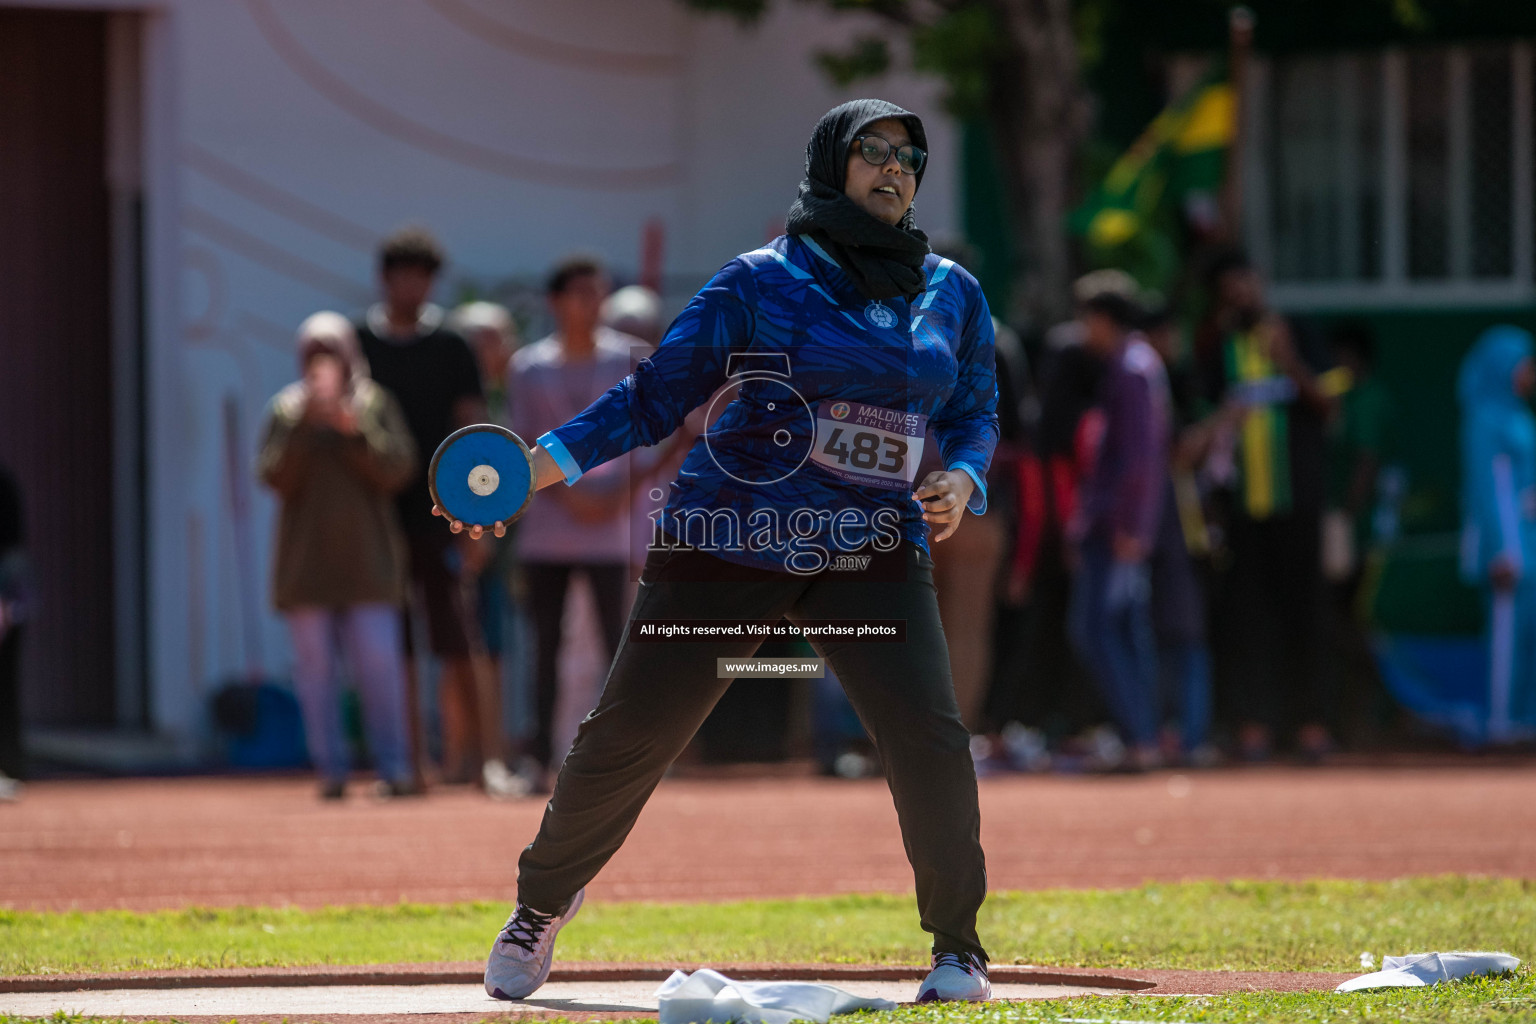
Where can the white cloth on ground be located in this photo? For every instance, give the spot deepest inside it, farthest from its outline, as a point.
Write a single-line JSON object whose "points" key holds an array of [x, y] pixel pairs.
{"points": [[707, 995], [1419, 969]]}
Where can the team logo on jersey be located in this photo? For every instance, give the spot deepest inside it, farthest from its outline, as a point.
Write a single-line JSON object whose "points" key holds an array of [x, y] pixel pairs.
{"points": [[840, 410], [879, 315]]}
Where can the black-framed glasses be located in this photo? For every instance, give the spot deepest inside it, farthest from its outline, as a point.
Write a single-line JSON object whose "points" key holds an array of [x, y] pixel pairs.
{"points": [[876, 150]]}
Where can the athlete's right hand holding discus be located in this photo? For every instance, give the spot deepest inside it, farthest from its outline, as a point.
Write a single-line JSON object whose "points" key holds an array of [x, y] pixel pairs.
{"points": [[483, 477], [545, 472]]}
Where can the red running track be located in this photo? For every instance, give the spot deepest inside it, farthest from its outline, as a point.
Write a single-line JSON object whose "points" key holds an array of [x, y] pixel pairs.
{"points": [[145, 844]]}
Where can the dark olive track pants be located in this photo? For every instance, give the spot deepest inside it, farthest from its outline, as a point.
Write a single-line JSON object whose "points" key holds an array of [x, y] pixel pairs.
{"points": [[658, 693]]}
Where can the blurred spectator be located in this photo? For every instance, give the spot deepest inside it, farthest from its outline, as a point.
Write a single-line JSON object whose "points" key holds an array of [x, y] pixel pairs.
{"points": [[1115, 525], [1269, 463], [15, 596], [492, 336], [1498, 437], [1357, 448], [635, 310], [1057, 696], [585, 527], [1014, 487], [1178, 593], [1357, 438], [336, 449], [966, 572], [436, 379]]}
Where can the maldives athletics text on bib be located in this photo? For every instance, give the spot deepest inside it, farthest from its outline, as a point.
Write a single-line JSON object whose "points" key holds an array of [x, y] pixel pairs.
{"points": [[868, 444]]}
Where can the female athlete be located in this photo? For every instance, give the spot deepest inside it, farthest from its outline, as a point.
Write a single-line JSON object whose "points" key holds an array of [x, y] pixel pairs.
{"points": [[844, 346]]}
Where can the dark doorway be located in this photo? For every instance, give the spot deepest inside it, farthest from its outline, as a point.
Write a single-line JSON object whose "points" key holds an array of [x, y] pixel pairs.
{"points": [[56, 386]]}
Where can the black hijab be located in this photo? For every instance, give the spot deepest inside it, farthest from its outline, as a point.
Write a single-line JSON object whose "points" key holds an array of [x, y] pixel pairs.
{"points": [[884, 260]]}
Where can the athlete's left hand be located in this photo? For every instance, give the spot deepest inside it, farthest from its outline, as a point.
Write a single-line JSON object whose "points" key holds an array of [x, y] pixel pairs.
{"points": [[943, 495]]}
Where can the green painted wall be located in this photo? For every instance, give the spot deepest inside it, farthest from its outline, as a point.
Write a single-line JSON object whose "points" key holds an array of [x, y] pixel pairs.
{"points": [[1418, 353], [981, 216]]}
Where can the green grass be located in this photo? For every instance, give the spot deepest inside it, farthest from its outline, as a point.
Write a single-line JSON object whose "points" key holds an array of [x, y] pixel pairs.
{"points": [[1280, 926], [1501, 1000]]}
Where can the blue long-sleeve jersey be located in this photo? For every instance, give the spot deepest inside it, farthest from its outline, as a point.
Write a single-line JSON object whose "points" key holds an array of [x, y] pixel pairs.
{"points": [[829, 396]]}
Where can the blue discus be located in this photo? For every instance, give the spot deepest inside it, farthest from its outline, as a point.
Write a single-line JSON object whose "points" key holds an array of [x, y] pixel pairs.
{"points": [[482, 475]]}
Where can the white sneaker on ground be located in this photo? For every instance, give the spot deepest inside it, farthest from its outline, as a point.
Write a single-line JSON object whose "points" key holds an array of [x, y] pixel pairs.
{"points": [[956, 977], [525, 950], [500, 783]]}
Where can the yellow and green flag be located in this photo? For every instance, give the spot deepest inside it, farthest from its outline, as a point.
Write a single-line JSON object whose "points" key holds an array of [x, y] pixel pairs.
{"points": [[1180, 157]]}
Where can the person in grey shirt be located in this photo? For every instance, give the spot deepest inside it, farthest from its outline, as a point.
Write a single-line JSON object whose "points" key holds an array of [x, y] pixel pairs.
{"points": [[586, 529]]}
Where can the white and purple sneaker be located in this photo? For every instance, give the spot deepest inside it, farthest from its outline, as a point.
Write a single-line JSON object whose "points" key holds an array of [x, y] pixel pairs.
{"points": [[525, 950], [956, 977]]}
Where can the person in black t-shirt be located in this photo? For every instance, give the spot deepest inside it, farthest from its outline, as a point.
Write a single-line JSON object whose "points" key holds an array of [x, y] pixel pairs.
{"points": [[433, 375]]}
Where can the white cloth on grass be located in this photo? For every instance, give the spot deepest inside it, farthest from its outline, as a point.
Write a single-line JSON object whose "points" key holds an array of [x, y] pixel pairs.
{"points": [[707, 995], [1419, 969]]}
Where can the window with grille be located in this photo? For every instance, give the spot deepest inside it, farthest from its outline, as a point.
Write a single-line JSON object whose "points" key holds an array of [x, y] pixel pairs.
{"points": [[1394, 177]]}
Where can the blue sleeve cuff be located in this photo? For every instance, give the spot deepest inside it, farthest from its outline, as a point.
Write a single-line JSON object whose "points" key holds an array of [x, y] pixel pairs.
{"points": [[562, 456], [978, 503]]}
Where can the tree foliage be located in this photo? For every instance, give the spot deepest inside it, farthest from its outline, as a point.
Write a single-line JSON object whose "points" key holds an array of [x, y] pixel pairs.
{"points": [[954, 40], [1026, 70], [959, 40]]}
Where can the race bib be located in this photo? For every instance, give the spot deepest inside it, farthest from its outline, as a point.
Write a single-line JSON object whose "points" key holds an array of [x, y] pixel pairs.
{"points": [[869, 445]]}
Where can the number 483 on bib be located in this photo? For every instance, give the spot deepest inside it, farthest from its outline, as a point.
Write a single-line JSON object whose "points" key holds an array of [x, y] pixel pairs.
{"points": [[867, 444]]}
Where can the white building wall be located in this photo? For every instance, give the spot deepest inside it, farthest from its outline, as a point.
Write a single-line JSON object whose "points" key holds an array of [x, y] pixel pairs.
{"points": [[285, 137], [753, 97]]}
